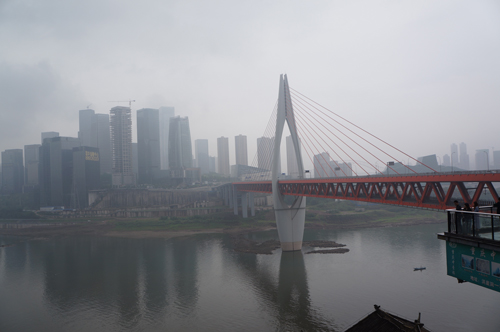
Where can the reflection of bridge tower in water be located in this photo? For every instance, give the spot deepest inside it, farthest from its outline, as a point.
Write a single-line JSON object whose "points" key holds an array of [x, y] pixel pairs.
{"points": [[289, 218]]}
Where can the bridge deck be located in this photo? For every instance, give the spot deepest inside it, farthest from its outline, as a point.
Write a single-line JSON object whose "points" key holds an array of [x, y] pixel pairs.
{"points": [[431, 190]]}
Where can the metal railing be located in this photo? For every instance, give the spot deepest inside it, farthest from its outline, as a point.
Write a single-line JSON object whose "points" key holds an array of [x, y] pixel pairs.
{"points": [[483, 225]]}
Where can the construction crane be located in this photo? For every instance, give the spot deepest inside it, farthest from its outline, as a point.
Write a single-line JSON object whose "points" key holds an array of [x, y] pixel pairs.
{"points": [[123, 101]]}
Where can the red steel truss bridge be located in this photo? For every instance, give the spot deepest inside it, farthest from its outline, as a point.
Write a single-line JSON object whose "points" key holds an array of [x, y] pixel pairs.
{"points": [[428, 191], [328, 156]]}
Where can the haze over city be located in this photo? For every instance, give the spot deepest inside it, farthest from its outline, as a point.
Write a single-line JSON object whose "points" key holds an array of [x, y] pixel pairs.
{"points": [[420, 75]]}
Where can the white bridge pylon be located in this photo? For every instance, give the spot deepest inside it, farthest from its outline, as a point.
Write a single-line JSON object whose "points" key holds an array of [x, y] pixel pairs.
{"points": [[290, 219]]}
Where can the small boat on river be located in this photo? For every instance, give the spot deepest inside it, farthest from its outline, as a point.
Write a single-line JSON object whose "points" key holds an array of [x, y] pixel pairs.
{"points": [[419, 268]]}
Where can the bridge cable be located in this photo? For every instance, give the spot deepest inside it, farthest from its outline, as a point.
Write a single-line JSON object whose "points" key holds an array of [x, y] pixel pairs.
{"points": [[407, 155]]}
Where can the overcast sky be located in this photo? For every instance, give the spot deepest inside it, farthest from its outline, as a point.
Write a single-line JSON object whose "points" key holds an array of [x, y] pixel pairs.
{"points": [[419, 74]]}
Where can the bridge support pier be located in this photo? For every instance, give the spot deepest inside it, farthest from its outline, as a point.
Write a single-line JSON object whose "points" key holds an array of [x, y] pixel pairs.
{"points": [[235, 200], [252, 203], [230, 196], [225, 195], [290, 223], [244, 205]]}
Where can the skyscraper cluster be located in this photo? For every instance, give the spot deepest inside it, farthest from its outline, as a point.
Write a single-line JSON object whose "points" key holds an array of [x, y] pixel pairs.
{"points": [[62, 170], [459, 159]]}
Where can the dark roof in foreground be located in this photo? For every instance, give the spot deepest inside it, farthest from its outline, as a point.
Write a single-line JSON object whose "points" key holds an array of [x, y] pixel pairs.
{"points": [[382, 321]]}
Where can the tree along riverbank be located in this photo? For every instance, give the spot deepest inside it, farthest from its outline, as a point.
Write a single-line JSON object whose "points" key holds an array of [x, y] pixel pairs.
{"points": [[321, 214]]}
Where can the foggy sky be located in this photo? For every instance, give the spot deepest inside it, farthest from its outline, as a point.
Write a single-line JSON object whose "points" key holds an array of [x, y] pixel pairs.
{"points": [[419, 74]]}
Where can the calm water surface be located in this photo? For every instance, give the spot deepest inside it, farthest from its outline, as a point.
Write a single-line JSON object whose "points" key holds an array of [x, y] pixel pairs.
{"points": [[200, 284]]}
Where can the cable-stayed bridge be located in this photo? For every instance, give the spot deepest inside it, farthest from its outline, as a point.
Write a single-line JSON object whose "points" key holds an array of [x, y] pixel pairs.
{"points": [[345, 161]]}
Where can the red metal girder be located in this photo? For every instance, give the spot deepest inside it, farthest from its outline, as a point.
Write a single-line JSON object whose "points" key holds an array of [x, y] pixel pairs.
{"points": [[433, 177], [440, 189], [349, 190], [477, 192], [362, 189], [416, 189], [340, 187], [463, 192], [492, 191], [449, 193], [330, 189]]}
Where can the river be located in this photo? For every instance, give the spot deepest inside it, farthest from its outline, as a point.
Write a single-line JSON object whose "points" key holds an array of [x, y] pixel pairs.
{"points": [[199, 283]]}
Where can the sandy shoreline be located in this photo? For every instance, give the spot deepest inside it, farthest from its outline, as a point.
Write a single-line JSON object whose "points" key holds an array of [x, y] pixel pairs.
{"points": [[105, 229]]}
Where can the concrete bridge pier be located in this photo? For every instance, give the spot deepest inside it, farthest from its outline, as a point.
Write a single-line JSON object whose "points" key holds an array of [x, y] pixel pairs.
{"points": [[244, 204], [225, 195], [230, 195], [235, 200], [252, 203]]}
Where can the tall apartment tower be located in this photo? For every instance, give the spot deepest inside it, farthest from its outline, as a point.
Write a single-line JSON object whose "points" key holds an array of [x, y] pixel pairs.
{"points": [[148, 145], [56, 171], [223, 156], [31, 164], [86, 175], [94, 132], [165, 114], [49, 134], [104, 143], [291, 160], [321, 165], [240, 146], [454, 155], [201, 155], [121, 145], [482, 159], [264, 152], [446, 160], [265, 146], [180, 153], [464, 157], [87, 132], [496, 159], [211, 164], [12, 171]]}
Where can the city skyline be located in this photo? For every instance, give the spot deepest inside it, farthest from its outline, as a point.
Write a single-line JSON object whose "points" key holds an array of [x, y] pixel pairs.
{"points": [[379, 70]]}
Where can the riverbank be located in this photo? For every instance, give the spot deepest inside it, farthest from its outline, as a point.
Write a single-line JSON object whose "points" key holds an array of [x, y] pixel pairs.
{"points": [[157, 229]]}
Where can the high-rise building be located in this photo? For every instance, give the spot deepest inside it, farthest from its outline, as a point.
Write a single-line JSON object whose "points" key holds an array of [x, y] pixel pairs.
{"points": [[104, 143], [339, 169], [496, 159], [464, 157], [121, 144], [446, 160], [87, 132], [148, 145], [291, 159], [12, 171], [321, 165], [240, 146], [482, 159], [94, 132], [56, 171], [201, 155], [31, 164], [86, 175], [180, 153], [454, 155], [165, 114], [211, 164], [264, 152], [49, 134], [135, 160], [223, 156]]}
